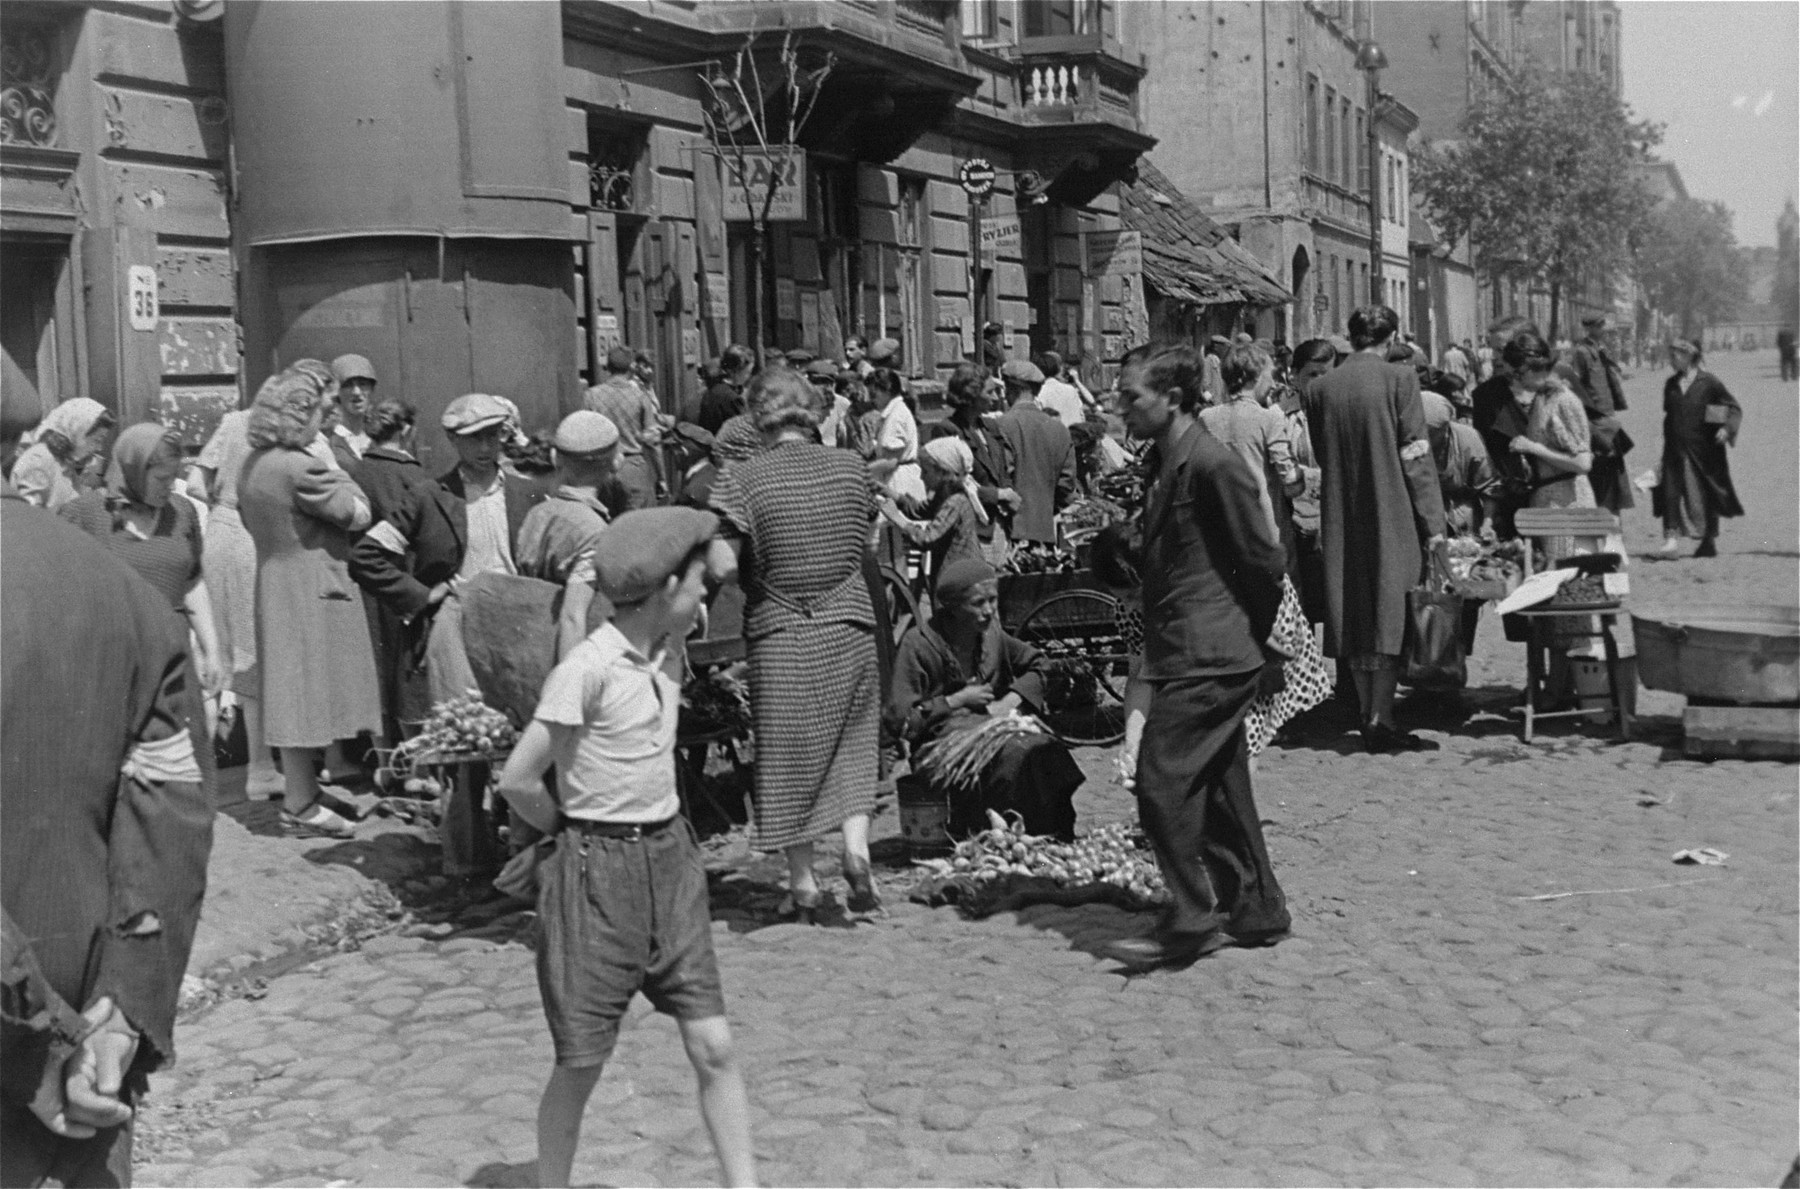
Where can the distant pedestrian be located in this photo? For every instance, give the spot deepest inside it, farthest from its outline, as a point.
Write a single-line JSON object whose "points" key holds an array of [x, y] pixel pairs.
{"points": [[1457, 363], [1212, 585], [1700, 419], [725, 399], [65, 455], [1380, 512], [1256, 432], [1600, 386], [622, 906], [624, 401], [1043, 455], [356, 395], [951, 528], [1059, 396], [967, 394], [1785, 350]]}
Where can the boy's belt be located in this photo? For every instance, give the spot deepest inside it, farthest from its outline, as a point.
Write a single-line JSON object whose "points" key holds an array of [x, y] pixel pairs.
{"points": [[627, 830]]}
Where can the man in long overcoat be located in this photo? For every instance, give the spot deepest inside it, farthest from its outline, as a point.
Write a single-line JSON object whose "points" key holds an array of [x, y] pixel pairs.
{"points": [[105, 826], [1379, 508]]}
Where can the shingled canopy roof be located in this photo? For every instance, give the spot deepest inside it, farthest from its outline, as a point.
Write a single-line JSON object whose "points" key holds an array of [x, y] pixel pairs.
{"points": [[1187, 256]]}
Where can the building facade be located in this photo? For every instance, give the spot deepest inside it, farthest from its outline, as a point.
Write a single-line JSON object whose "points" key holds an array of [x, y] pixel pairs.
{"points": [[1262, 117], [116, 271], [530, 184]]}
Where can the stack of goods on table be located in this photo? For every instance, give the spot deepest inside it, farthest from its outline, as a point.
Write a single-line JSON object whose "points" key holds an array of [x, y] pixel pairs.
{"points": [[1485, 569], [460, 730], [1004, 868]]}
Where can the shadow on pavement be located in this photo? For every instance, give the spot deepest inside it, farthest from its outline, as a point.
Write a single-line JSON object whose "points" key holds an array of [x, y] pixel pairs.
{"points": [[501, 1175]]}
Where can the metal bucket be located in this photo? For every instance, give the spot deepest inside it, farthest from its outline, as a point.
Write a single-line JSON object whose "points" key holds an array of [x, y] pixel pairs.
{"points": [[924, 818], [1743, 655]]}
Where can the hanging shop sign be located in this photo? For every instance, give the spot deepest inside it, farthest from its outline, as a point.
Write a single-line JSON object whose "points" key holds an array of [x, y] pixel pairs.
{"points": [[1115, 253], [1001, 233], [977, 176], [754, 176]]}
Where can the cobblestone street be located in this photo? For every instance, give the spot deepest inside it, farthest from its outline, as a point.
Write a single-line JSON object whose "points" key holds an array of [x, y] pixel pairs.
{"points": [[1498, 977]]}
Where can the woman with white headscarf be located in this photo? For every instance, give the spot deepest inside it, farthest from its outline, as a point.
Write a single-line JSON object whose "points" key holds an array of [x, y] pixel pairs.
{"points": [[63, 450], [953, 530]]}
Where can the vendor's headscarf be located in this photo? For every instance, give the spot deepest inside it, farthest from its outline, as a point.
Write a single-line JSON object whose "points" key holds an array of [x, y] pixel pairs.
{"points": [[1439, 412], [960, 577], [953, 456], [73, 420], [138, 449]]}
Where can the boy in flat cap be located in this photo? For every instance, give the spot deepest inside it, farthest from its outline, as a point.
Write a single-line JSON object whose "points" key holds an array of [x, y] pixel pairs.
{"points": [[557, 540], [622, 903]]}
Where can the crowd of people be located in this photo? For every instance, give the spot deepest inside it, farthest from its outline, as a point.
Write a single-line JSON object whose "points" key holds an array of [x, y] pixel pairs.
{"points": [[306, 573]]}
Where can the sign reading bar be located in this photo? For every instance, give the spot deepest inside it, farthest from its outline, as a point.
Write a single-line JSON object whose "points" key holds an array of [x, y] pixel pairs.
{"points": [[749, 176], [1116, 253], [1001, 233]]}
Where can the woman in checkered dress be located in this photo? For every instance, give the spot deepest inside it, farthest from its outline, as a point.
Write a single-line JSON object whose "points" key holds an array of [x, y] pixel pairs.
{"points": [[800, 513]]}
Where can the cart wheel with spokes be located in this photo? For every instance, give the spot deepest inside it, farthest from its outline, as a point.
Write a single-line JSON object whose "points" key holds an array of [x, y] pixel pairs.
{"points": [[1083, 636]]}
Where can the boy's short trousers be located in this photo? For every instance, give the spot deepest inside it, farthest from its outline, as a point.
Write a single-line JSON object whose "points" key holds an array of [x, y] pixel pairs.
{"points": [[618, 916]]}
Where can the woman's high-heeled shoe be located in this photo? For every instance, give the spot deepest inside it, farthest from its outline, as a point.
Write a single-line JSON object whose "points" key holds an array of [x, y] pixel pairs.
{"points": [[802, 910], [863, 896]]}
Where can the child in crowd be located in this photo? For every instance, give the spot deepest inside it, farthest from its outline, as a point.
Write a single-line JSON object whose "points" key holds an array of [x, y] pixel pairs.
{"points": [[622, 903], [953, 516]]}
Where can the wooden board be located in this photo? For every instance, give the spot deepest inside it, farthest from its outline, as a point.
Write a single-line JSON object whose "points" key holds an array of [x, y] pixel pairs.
{"points": [[1742, 732]]}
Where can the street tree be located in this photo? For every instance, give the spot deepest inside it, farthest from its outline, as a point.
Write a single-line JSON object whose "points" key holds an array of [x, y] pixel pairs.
{"points": [[1541, 182], [755, 121], [1689, 263]]}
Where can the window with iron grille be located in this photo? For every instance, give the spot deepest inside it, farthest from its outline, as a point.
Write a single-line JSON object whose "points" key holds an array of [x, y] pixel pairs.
{"points": [[615, 166], [29, 67]]}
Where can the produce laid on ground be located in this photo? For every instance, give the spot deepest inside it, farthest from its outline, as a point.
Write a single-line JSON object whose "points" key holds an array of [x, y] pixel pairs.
{"points": [[1004, 868]]}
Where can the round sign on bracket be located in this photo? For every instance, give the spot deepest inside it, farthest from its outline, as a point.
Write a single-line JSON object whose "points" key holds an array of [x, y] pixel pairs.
{"points": [[977, 176]]}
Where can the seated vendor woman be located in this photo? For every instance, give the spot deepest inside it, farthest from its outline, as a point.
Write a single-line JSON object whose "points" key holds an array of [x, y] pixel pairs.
{"points": [[961, 665]]}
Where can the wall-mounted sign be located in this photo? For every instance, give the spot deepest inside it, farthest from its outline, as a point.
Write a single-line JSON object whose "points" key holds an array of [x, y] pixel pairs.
{"points": [[752, 174], [690, 345], [606, 330], [140, 297], [1001, 233], [787, 300], [977, 176], [1115, 253]]}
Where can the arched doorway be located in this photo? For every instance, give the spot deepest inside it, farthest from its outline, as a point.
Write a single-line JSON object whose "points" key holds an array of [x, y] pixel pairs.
{"points": [[1302, 303]]}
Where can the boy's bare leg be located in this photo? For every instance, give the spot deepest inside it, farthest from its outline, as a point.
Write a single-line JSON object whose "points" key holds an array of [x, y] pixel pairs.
{"points": [[723, 1103], [559, 1121]]}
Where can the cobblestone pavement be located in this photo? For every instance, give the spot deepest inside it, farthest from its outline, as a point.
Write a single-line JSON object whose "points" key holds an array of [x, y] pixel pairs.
{"points": [[1498, 976]]}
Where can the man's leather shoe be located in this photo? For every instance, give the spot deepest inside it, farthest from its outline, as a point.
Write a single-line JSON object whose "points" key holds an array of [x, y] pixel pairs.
{"points": [[1175, 949], [1257, 938]]}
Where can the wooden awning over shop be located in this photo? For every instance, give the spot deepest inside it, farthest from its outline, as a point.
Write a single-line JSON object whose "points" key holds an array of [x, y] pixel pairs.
{"points": [[1188, 257]]}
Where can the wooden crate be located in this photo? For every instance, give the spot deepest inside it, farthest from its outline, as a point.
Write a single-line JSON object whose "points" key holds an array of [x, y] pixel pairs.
{"points": [[1741, 732]]}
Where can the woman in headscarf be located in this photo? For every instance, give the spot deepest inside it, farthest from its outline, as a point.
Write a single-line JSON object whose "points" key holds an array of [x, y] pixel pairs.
{"points": [[956, 517], [136, 519], [318, 670], [228, 562], [1555, 441], [61, 458], [1700, 418], [799, 513], [961, 666]]}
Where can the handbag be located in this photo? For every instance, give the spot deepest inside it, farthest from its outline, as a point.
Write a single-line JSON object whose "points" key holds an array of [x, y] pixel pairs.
{"points": [[1434, 647]]}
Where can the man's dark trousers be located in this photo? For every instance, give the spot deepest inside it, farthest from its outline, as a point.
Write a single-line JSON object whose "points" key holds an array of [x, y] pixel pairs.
{"points": [[1194, 798]]}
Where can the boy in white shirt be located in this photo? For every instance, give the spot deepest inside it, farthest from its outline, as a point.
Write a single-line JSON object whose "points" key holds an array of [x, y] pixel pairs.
{"points": [[622, 904]]}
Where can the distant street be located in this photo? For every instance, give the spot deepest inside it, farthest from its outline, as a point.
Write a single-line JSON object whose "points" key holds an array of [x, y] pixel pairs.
{"points": [[1498, 977]]}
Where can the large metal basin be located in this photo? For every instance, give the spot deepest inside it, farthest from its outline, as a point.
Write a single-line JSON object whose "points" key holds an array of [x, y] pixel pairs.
{"points": [[1746, 655]]}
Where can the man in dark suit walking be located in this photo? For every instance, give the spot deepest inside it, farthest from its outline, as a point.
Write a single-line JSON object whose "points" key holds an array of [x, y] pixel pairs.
{"points": [[1043, 455], [1212, 570], [107, 824]]}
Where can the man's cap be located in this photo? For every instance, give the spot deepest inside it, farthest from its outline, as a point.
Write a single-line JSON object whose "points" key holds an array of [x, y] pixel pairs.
{"points": [[620, 359], [352, 367], [1597, 320], [638, 551], [473, 413], [800, 357], [1021, 371], [883, 350], [823, 370], [693, 435], [586, 432], [1686, 345]]}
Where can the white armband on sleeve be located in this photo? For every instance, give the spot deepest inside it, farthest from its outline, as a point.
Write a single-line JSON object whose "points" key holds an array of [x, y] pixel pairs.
{"points": [[1414, 450], [163, 760], [388, 537]]}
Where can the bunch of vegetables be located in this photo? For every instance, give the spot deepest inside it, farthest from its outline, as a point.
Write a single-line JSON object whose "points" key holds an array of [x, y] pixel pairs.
{"points": [[957, 759], [718, 697], [1037, 557], [1476, 561], [462, 728], [1115, 856], [1090, 514]]}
